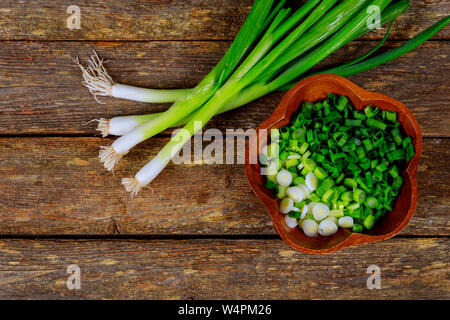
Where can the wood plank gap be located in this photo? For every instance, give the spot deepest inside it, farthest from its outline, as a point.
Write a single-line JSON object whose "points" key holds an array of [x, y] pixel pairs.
{"points": [[138, 237], [394, 40]]}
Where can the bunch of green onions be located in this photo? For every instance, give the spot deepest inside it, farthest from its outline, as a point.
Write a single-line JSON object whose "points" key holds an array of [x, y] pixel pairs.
{"points": [[274, 49]]}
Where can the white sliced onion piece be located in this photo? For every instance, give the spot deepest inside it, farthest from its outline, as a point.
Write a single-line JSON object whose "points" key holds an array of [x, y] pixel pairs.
{"points": [[295, 194], [290, 222], [327, 227], [304, 211], [334, 219], [311, 181], [305, 190], [310, 228], [286, 205], [263, 158], [272, 168], [320, 211], [346, 222], [311, 207], [284, 178]]}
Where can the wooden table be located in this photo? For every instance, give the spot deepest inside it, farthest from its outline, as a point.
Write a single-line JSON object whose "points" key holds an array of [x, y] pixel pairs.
{"points": [[199, 232]]}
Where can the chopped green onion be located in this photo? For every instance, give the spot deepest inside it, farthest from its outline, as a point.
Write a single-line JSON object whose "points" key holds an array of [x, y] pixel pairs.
{"points": [[376, 124], [286, 205], [398, 182], [350, 183], [369, 222], [347, 196], [394, 172], [299, 181], [381, 167], [329, 195], [357, 228], [308, 165], [372, 202], [314, 197], [304, 148], [359, 196], [320, 173], [324, 186], [291, 163], [353, 122]]}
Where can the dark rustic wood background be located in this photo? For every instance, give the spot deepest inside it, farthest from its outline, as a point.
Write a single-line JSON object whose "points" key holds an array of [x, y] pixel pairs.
{"points": [[199, 232]]}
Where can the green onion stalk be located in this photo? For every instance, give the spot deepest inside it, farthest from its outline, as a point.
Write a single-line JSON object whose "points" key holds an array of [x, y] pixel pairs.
{"points": [[97, 79], [357, 21]]}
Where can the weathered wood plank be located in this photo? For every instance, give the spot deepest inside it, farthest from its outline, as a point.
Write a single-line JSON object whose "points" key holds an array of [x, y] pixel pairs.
{"points": [[165, 19], [42, 94], [57, 186], [221, 269]]}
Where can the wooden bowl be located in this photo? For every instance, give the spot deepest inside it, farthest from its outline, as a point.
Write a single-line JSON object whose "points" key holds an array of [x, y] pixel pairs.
{"points": [[313, 89]]}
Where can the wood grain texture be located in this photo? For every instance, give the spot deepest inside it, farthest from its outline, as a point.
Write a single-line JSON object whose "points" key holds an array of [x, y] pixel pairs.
{"points": [[57, 186], [166, 19], [42, 93], [221, 269]]}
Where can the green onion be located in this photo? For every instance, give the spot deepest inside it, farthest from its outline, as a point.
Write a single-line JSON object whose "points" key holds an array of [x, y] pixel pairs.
{"points": [[303, 148], [372, 202], [381, 167], [320, 173], [291, 163], [376, 124], [394, 172], [329, 195], [396, 155], [347, 196], [370, 112], [350, 183], [314, 198], [299, 181], [394, 53], [308, 165], [357, 228], [324, 186], [369, 222], [353, 122], [398, 182], [359, 195]]}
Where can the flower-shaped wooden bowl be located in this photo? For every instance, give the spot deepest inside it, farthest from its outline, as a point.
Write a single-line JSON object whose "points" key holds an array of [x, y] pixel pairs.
{"points": [[313, 89]]}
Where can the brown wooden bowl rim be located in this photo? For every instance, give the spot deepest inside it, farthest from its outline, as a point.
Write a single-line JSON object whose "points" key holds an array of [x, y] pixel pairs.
{"points": [[279, 118]]}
